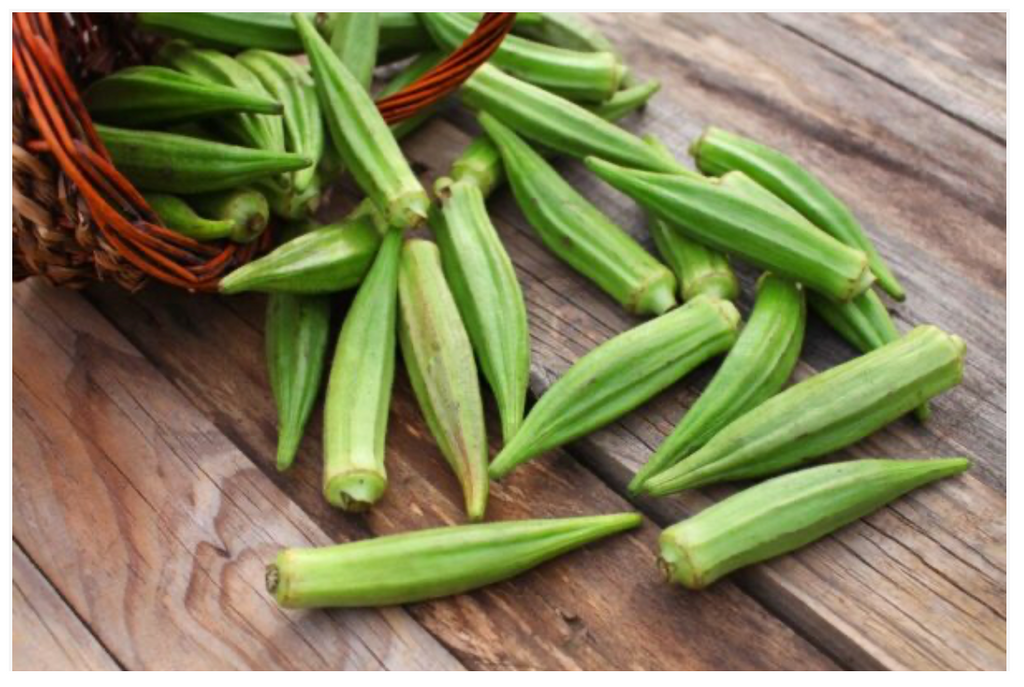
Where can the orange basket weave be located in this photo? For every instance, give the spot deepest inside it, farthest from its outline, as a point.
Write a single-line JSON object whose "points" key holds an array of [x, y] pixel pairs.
{"points": [[76, 218]]}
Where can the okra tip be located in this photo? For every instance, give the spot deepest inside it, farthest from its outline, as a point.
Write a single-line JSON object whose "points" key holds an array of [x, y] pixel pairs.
{"points": [[354, 491], [658, 295], [676, 564]]}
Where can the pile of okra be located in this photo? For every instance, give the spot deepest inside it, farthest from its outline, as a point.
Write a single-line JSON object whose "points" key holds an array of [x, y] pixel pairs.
{"points": [[247, 117]]}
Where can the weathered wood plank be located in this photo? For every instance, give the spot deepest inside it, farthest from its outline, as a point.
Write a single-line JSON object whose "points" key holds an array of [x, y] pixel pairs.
{"points": [[955, 62], [605, 607], [151, 523], [47, 634]]}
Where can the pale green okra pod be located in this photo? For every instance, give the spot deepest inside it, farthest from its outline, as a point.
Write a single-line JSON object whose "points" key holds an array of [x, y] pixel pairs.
{"points": [[354, 38], [619, 375], [405, 568], [439, 359], [787, 512], [823, 413]]}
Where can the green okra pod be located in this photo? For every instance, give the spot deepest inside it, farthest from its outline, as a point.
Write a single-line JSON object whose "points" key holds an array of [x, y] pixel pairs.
{"points": [[578, 233], [359, 390], [557, 123], [585, 76], [294, 204], [327, 259], [698, 269], [227, 30], [754, 370], [619, 375], [354, 37], [439, 359], [246, 208], [175, 213], [823, 413], [484, 285], [415, 566], [787, 512], [722, 215], [718, 152], [627, 100], [363, 141], [154, 96], [170, 163]]}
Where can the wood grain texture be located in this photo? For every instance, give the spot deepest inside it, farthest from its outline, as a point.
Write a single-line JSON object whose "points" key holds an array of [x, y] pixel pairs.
{"points": [[604, 607], [47, 634], [152, 525]]}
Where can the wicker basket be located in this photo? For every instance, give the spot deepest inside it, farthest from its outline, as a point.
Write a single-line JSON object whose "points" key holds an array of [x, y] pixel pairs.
{"points": [[76, 219]]}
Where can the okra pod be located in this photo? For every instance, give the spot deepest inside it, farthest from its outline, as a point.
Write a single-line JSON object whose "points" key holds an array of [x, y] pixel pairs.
{"points": [[578, 233], [415, 566], [732, 220], [787, 512], [362, 139], [354, 37], [585, 76], [823, 413], [718, 152], [619, 375], [155, 96], [175, 213], [327, 259], [401, 35], [228, 30], [484, 285], [698, 269], [246, 208], [627, 100], [359, 390], [754, 370], [439, 359], [557, 123], [170, 163]]}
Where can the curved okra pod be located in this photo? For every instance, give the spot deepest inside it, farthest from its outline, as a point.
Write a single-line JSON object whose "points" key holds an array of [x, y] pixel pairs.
{"points": [[754, 370], [823, 413], [439, 359], [585, 76], [484, 285], [246, 208], [722, 216], [415, 566], [176, 214], [557, 123], [354, 38], [324, 260], [578, 233], [359, 390], [787, 512], [619, 375], [291, 84], [362, 139], [718, 152], [698, 269]]}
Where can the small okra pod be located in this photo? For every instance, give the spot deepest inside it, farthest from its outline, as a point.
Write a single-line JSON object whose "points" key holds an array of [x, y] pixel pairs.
{"points": [[291, 84], [246, 208], [823, 413], [619, 375], [578, 233], [416, 566], [354, 38], [227, 30], [718, 152], [362, 138], [484, 285], [729, 219], [330, 258], [755, 369], [557, 123], [176, 214], [788, 512], [439, 359], [584, 76], [359, 390], [698, 269]]}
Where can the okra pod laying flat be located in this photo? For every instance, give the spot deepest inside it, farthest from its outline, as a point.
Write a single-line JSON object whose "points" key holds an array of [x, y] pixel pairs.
{"points": [[246, 208], [331, 258], [787, 512], [151, 96], [362, 139], [157, 161], [585, 76], [823, 413], [439, 359], [176, 214], [725, 217], [754, 370], [577, 232], [558, 123], [359, 391], [619, 375], [698, 269], [627, 100], [228, 30], [718, 152], [354, 37], [484, 285], [405, 568]]}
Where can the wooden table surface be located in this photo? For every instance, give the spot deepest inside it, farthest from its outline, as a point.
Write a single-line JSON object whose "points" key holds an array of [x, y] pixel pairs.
{"points": [[146, 502]]}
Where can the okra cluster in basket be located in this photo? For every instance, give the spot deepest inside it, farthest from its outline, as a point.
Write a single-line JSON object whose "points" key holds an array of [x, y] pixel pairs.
{"points": [[231, 126]]}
